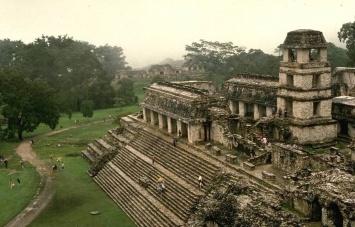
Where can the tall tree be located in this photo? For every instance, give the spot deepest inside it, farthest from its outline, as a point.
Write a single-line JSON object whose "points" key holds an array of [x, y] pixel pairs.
{"points": [[347, 35], [9, 52], [27, 104], [126, 91], [111, 58], [337, 56], [211, 56], [87, 109]]}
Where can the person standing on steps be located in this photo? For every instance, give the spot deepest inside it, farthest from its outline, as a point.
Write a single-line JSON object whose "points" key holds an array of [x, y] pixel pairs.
{"points": [[200, 182]]}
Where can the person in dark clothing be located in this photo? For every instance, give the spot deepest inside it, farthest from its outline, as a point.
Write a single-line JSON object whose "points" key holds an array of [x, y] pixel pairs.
{"points": [[18, 182], [6, 162]]}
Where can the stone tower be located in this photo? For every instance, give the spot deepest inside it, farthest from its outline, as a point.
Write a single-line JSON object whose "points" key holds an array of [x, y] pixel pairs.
{"points": [[304, 96]]}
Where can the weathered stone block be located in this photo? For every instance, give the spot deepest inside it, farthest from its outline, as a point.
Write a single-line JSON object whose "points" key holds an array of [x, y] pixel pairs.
{"points": [[231, 158], [144, 182], [248, 166], [268, 176], [215, 150]]}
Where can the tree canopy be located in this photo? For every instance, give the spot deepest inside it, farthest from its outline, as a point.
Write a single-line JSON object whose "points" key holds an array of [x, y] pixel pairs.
{"points": [[26, 104], [347, 35], [337, 56], [227, 59], [77, 70]]}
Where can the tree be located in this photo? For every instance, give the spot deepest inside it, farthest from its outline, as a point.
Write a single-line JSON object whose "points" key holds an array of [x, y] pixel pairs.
{"points": [[157, 79], [126, 91], [211, 56], [347, 35], [87, 109], [28, 103], [102, 93], [111, 59], [9, 52], [337, 56]]}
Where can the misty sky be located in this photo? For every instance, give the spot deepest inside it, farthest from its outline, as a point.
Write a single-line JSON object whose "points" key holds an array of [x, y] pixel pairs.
{"points": [[151, 30]]}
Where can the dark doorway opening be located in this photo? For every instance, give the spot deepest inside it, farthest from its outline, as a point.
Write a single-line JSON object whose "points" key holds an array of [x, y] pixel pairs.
{"points": [[316, 212], [335, 215]]}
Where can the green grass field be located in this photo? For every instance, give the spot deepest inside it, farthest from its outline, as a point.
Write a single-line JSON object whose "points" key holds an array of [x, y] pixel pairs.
{"points": [[76, 193]]}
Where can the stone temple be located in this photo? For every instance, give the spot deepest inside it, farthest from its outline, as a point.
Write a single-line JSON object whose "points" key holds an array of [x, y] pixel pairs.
{"points": [[272, 151]]}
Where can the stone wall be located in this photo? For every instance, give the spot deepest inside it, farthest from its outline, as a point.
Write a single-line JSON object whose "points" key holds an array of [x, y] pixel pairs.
{"points": [[203, 85], [344, 76], [288, 158], [258, 89], [314, 134], [130, 74]]}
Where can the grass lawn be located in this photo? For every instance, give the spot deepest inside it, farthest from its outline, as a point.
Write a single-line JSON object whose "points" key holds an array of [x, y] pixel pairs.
{"points": [[14, 200], [76, 193]]}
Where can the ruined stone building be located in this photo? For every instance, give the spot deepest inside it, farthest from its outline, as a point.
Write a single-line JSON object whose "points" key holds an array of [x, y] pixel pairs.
{"points": [[266, 147], [130, 74], [163, 70]]}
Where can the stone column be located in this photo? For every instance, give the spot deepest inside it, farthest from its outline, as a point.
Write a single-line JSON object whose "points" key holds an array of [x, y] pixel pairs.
{"points": [[242, 109], [324, 216], [160, 120], [179, 127], [145, 114], [152, 119], [233, 106], [269, 111], [170, 128], [256, 112]]}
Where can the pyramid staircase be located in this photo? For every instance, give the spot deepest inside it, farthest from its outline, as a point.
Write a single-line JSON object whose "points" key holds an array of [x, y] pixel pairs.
{"points": [[179, 165]]}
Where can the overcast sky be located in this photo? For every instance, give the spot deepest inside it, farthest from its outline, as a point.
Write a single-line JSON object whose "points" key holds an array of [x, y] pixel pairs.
{"points": [[151, 30]]}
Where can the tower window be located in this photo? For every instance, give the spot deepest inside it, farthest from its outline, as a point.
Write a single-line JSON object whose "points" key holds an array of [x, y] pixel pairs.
{"points": [[289, 80], [315, 81], [292, 55], [313, 54], [316, 108]]}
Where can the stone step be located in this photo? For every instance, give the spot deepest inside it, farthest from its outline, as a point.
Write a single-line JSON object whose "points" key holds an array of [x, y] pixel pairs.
{"points": [[175, 197], [103, 145], [185, 154], [187, 171], [168, 149], [126, 195], [131, 211], [166, 214], [94, 150], [136, 201]]}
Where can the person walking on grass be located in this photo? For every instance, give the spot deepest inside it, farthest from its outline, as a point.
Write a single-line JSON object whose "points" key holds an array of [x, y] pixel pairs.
{"points": [[6, 162], [11, 183], [18, 182]]}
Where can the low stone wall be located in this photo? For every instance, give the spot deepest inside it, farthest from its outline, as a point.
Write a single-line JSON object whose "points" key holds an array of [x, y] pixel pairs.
{"points": [[288, 158], [261, 159]]}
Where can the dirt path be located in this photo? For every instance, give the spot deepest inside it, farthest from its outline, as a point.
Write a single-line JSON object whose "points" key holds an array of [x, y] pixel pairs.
{"points": [[46, 189]]}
